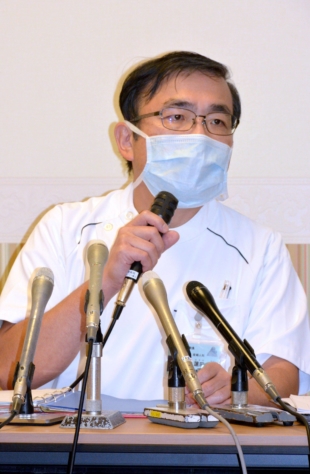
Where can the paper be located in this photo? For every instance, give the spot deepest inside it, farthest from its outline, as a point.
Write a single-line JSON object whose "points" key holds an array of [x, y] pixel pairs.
{"points": [[300, 402], [65, 400], [127, 406], [39, 396]]}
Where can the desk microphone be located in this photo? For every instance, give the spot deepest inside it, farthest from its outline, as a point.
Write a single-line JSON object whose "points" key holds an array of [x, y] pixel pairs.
{"points": [[42, 287], [201, 297], [156, 294], [97, 255]]}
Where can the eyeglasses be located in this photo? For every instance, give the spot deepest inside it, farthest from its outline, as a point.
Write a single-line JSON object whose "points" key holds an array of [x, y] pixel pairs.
{"points": [[182, 120]]}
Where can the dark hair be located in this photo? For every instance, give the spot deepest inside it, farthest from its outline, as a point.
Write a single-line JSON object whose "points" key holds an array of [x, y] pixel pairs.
{"points": [[145, 80]]}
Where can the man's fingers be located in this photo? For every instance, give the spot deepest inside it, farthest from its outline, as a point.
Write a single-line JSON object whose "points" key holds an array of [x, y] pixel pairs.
{"points": [[143, 240], [148, 218], [170, 238], [215, 383]]}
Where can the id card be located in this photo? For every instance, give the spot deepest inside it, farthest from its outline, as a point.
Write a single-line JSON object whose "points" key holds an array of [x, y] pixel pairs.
{"points": [[204, 352]]}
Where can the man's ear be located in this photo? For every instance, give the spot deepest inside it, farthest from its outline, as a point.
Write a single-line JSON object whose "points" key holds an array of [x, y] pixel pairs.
{"points": [[124, 140]]}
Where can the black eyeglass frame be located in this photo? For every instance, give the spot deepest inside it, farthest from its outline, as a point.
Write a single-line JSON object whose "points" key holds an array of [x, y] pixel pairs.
{"points": [[235, 121]]}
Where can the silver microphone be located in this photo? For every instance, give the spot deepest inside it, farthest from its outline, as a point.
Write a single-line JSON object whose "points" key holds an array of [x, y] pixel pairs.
{"points": [[42, 287], [97, 255], [156, 294]]}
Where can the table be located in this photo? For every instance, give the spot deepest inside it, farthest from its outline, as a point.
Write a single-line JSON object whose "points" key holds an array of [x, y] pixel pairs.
{"points": [[150, 447]]}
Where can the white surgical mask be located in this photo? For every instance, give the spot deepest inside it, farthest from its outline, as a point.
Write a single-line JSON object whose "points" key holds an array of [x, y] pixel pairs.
{"points": [[192, 167]]}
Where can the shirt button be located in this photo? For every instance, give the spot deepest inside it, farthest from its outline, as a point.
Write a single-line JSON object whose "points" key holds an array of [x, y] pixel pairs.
{"points": [[129, 216], [108, 227]]}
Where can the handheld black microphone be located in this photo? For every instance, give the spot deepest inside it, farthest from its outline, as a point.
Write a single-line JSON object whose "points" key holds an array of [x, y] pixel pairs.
{"points": [[97, 255], [164, 206], [201, 297], [155, 292], [42, 287]]}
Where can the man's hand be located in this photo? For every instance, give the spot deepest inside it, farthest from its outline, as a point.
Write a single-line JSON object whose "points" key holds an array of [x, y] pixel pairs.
{"points": [[215, 382], [143, 240]]}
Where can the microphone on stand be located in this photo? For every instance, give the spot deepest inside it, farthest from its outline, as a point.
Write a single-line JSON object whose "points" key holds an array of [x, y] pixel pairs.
{"points": [[176, 413], [201, 297], [97, 255], [94, 417], [245, 358], [22, 411], [42, 287], [155, 292]]}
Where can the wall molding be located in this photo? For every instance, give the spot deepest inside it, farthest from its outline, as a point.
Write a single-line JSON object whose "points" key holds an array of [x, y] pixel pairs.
{"points": [[280, 203]]}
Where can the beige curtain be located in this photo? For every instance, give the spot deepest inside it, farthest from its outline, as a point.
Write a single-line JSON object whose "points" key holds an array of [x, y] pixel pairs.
{"points": [[8, 253]]}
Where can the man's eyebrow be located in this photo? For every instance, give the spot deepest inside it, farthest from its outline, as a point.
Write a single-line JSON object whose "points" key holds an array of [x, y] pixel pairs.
{"points": [[219, 108], [178, 103], [191, 106]]}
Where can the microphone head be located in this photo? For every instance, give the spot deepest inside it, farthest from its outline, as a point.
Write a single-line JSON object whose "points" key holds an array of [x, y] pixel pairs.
{"points": [[199, 295], [193, 285], [164, 205], [44, 272], [42, 285], [154, 290], [97, 253], [202, 299], [147, 276], [197, 291]]}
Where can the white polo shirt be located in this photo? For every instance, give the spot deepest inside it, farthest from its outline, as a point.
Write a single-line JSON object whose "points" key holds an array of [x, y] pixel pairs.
{"points": [[266, 303]]}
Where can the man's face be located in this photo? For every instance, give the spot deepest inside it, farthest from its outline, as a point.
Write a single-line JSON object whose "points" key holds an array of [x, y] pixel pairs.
{"points": [[195, 92]]}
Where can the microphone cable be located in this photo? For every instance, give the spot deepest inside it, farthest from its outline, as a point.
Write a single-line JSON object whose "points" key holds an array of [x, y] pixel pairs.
{"points": [[9, 419], [240, 455], [303, 420], [97, 255], [83, 376]]}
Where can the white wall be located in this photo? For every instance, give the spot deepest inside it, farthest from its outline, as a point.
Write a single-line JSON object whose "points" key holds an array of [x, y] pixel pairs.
{"points": [[61, 62]]}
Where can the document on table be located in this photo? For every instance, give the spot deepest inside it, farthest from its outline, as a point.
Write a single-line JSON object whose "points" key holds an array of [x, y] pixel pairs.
{"points": [[66, 400], [300, 402]]}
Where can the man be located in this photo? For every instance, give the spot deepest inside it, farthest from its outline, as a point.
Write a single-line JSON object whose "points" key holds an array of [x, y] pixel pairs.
{"points": [[181, 112]]}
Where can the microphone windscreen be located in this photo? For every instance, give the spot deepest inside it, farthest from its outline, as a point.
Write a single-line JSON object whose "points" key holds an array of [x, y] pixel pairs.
{"points": [[164, 205], [147, 276], [97, 253], [44, 272], [192, 285]]}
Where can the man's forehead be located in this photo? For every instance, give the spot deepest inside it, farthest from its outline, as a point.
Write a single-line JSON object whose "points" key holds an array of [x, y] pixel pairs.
{"points": [[177, 89]]}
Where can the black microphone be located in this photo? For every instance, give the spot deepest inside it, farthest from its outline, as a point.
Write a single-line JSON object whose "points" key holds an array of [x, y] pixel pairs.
{"points": [[42, 287], [156, 294], [201, 297], [97, 255], [164, 206]]}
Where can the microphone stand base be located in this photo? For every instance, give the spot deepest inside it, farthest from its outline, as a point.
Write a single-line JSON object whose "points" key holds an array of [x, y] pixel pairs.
{"points": [[35, 419], [254, 414], [106, 420], [181, 418]]}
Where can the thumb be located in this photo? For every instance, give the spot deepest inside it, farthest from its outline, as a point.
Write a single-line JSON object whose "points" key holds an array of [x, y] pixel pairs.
{"points": [[170, 238]]}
